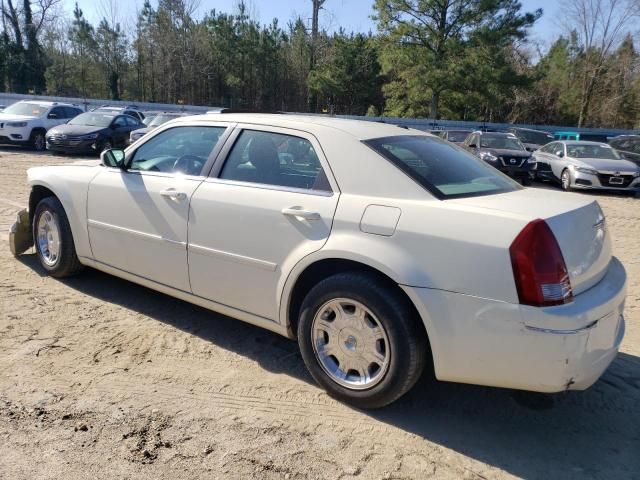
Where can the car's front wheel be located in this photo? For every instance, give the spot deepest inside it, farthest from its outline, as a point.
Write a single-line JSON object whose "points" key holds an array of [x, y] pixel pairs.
{"points": [[361, 340], [53, 240], [38, 141], [565, 180]]}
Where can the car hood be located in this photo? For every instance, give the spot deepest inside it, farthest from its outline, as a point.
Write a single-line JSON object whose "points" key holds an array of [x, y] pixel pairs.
{"points": [[75, 129], [7, 117], [501, 152], [606, 164]]}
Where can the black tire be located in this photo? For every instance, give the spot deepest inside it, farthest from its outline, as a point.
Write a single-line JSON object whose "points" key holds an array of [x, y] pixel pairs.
{"points": [[565, 186], [408, 344], [67, 263], [38, 141]]}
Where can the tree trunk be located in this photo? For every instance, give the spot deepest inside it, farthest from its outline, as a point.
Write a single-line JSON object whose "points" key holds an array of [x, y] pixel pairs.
{"points": [[435, 104]]}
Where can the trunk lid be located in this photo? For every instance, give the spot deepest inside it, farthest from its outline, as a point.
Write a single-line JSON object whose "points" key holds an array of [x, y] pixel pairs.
{"points": [[576, 221]]}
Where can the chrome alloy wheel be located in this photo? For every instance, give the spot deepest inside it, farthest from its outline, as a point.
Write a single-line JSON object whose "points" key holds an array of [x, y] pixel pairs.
{"points": [[48, 238], [566, 179], [350, 344]]}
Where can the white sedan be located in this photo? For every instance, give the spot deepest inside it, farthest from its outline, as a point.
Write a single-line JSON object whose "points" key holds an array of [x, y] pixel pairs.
{"points": [[382, 250]]}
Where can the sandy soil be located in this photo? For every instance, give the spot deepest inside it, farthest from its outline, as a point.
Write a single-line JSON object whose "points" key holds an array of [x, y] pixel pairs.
{"points": [[100, 378]]}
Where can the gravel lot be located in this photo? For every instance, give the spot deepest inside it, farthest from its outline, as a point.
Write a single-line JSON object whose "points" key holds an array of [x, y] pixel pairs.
{"points": [[101, 378]]}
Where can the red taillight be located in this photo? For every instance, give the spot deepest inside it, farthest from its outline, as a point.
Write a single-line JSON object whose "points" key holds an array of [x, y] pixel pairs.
{"points": [[538, 267]]}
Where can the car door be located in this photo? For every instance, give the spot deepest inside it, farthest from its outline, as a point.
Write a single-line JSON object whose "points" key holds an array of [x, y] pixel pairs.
{"points": [[137, 218], [268, 204], [56, 116], [556, 159], [119, 130]]}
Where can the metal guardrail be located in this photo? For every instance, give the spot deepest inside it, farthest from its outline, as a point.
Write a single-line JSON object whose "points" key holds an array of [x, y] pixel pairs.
{"points": [[418, 123]]}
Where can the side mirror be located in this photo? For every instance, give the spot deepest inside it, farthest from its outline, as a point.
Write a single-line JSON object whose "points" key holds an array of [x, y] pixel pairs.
{"points": [[113, 158], [52, 116], [472, 145], [560, 153]]}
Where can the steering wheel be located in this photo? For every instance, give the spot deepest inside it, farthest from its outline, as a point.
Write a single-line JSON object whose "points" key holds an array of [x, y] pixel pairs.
{"points": [[189, 164]]}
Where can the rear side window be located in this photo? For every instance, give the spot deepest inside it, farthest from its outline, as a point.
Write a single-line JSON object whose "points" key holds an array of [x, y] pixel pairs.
{"points": [[443, 169], [275, 159]]}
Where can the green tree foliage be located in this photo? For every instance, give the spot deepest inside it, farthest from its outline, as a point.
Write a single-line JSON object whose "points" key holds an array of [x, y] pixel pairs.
{"points": [[433, 47]]}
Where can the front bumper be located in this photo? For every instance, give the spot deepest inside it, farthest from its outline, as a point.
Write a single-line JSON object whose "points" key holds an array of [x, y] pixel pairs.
{"points": [[487, 342], [14, 136], [20, 235], [587, 181], [79, 146]]}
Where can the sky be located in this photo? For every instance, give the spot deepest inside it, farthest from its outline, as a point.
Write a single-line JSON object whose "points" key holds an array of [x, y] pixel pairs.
{"points": [[352, 15]]}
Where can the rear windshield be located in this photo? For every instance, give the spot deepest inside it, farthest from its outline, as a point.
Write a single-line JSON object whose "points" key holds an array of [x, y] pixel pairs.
{"points": [[442, 168]]}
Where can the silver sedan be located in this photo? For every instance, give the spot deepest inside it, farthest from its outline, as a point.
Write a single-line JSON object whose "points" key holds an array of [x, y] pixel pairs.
{"points": [[586, 165]]}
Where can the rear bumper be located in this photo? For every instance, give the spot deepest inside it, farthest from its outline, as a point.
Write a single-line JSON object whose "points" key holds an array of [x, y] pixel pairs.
{"points": [[486, 342]]}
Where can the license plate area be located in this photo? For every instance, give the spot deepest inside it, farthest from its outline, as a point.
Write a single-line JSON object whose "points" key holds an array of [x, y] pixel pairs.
{"points": [[616, 180]]}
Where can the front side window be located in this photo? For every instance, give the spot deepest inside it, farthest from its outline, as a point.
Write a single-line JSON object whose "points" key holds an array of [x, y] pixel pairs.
{"points": [[58, 113], [456, 136], [177, 150], [275, 159], [120, 122], [441, 168], [132, 122]]}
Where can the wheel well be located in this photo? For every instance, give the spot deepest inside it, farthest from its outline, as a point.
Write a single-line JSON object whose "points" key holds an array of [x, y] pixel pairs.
{"points": [[322, 269], [38, 192]]}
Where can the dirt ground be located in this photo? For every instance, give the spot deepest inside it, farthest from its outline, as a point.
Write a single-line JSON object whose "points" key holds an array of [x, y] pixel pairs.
{"points": [[101, 378]]}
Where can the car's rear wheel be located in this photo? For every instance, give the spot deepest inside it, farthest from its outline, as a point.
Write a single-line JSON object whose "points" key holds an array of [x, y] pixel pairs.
{"points": [[38, 141], [565, 180], [361, 340], [53, 240]]}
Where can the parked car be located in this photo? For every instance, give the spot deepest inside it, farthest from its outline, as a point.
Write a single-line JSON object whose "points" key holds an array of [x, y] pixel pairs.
{"points": [[27, 121], [531, 139], [130, 110], [566, 135], [157, 120], [627, 146], [587, 165], [2, 107], [282, 221], [455, 136], [92, 132], [502, 151]]}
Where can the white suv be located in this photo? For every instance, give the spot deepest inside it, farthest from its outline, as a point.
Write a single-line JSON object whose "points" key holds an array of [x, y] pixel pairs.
{"points": [[26, 122]]}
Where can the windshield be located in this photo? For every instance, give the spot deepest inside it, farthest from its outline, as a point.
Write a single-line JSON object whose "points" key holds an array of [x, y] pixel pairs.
{"points": [[92, 120], [503, 142], [458, 135], [537, 138], [443, 169], [160, 119], [592, 151], [27, 109]]}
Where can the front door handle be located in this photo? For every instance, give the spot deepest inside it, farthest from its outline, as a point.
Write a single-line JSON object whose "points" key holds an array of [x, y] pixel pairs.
{"points": [[173, 194], [300, 212]]}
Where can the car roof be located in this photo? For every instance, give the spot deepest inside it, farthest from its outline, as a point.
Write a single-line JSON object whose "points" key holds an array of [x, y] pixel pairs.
{"points": [[44, 103], [360, 129], [530, 130], [580, 142]]}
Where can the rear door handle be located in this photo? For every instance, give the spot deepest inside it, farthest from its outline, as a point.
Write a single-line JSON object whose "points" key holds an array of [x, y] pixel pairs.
{"points": [[300, 212], [173, 194]]}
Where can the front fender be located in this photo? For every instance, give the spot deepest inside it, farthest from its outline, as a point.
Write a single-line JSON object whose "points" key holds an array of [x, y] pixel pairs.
{"points": [[69, 183]]}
